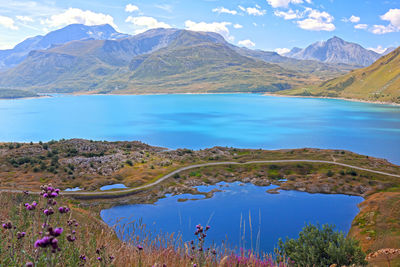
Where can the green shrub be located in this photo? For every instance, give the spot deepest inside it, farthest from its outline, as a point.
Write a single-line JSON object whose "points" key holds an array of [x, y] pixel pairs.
{"points": [[324, 246]]}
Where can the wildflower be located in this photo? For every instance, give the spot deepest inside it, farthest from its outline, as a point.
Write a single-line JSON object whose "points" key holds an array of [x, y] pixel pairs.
{"points": [[55, 232], [7, 225], [82, 257], [111, 258], [63, 210], [45, 195], [71, 238], [99, 258], [54, 243], [208, 227], [44, 242], [139, 247], [48, 212], [29, 264], [53, 194], [20, 235], [34, 203]]}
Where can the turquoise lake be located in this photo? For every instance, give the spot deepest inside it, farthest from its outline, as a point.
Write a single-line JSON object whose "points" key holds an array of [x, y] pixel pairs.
{"points": [[227, 212], [200, 121], [235, 120]]}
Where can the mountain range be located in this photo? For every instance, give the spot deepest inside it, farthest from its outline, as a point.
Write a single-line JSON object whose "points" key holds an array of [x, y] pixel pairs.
{"points": [[377, 82], [336, 50], [12, 57], [98, 59]]}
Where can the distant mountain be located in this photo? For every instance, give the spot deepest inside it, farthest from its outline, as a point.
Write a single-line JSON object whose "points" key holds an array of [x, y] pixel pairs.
{"points": [[378, 82], [388, 50], [160, 60], [12, 57], [314, 67], [336, 50]]}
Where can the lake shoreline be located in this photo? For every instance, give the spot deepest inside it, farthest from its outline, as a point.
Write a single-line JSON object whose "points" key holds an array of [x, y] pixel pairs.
{"points": [[337, 98], [274, 94]]}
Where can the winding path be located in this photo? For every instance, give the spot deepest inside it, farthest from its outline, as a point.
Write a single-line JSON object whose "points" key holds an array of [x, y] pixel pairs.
{"points": [[171, 174]]}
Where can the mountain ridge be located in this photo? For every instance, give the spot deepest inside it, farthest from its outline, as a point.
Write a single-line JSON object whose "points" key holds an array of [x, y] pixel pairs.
{"points": [[12, 57], [161, 60], [336, 50], [379, 82]]}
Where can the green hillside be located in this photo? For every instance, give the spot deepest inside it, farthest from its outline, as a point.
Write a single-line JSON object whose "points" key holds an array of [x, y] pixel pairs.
{"points": [[12, 93], [161, 61], [378, 82]]}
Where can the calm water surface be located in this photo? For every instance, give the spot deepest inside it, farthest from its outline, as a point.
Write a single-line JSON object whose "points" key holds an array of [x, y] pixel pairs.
{"points": [[272, 216], [200, 121]]}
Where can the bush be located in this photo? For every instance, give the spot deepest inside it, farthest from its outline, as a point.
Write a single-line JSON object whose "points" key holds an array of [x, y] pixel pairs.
{"points": [[324, 246]]}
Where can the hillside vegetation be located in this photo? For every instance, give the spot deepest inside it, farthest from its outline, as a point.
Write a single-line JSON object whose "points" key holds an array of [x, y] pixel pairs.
{"points": [[162, 61], [378, 82], [14, 93]]}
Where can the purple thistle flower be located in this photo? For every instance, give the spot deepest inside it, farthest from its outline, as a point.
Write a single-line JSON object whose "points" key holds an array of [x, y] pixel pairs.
{"points": [[29, 264], [53, 194], [54, 243], [20, 235], [48, 212], [34, 203], [56, 232], [82, 257], [45, 195], [7, 225], [99, 258], [139, 247], [57, 190], [71, 238]]}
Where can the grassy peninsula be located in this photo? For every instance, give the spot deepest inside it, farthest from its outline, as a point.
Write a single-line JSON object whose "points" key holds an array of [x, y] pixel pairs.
{"points": [[91, 164]]}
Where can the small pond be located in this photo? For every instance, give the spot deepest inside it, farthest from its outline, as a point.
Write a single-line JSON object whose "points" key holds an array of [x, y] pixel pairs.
{"points": [[73, 189], [113, 186], [231, 211]]}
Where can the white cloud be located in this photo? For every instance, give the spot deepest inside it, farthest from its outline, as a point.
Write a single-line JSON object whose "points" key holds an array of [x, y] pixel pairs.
{"points": [[282, 51], [254, 11], [165, 7], [237, 26], [317, 21], [24, 18], [131, 8], [354, 19], [7, 22], [382, 29], [285, 3], [361, 26], [76, 15], [220, 10], [246, 43], [393, 16], [144, 23], [289, 14], [379, 49], [218, 27]]}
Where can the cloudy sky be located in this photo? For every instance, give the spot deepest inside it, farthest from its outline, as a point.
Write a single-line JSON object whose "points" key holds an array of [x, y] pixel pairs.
{"points": [[263, 24]]}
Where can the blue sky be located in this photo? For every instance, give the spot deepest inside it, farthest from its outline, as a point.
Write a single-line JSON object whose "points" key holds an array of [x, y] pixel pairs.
{"points": [[261, 24]]}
